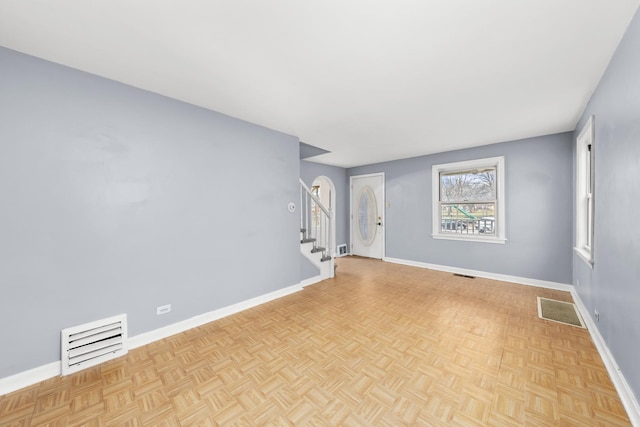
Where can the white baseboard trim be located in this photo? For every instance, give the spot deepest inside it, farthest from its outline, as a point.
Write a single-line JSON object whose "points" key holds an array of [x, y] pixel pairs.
{"points": [[312, 281], [194, 322], [50, 370], [30, 377], [627, 396], [486, 275]]}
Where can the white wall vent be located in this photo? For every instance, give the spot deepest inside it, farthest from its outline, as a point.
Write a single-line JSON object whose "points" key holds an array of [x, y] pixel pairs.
{"points": [[90, 344]]}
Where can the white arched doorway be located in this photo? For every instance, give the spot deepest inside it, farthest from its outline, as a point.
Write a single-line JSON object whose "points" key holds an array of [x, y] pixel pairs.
{"points": [[325, 190]]}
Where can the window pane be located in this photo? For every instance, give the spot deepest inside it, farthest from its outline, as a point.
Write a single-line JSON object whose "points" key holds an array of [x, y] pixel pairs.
{"points": [[588, 169], [468, 218], [470, 186], [589, 222], [367, 214]]}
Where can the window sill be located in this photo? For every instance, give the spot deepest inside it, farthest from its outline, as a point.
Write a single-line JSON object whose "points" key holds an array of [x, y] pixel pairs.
{"points": [[585, 256], [498, 240]]}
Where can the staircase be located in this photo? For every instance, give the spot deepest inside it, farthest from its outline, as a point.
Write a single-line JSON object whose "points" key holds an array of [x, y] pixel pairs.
{"points": [[316, 222]]}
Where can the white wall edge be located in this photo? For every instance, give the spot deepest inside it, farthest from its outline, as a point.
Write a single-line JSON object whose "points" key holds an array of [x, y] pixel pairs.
{"points": [[312, 281], [486, 275], [620, 383], [314, 258], [30, 377], [50, 370], [201, 319]]}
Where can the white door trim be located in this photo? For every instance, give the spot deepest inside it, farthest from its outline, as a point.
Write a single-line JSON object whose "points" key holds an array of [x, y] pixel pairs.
{"points": [[383, 214]]}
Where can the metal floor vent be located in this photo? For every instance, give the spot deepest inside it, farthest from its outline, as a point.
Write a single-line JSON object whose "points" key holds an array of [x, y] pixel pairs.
{"points": [[90, 344]]}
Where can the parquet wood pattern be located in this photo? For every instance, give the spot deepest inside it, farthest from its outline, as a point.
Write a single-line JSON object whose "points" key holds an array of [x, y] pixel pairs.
{"points": [[380, 344]]}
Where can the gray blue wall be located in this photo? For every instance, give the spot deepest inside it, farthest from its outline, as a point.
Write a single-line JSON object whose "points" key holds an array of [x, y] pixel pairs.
{"points": [[538, 210], [116, 200], [613, 285]]}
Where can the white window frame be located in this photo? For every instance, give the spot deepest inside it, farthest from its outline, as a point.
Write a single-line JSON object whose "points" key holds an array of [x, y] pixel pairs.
{"points": [[491, 162], [585, 181]]}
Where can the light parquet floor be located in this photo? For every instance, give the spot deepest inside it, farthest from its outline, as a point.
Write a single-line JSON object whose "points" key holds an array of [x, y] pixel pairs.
{"points": [[381, 344]]}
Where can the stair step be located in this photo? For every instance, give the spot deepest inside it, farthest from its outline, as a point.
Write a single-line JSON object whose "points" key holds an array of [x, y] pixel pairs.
{"points": [[308, 240], [325, 258], [317, 249]]}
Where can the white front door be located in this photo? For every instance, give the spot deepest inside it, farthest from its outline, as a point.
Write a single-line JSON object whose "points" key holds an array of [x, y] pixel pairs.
{"points": [[367, 215]]}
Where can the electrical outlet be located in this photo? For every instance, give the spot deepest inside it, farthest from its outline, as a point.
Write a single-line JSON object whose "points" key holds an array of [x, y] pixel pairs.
{"points": [[596, 315], [163, 309]]}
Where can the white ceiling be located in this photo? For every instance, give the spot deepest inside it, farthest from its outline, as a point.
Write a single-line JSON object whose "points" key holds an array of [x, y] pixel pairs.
{"points": [[367, 80]]}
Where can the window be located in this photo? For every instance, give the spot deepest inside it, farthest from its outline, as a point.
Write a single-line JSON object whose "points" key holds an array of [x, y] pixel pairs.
{"points": [[468, 200], [584, 192]]}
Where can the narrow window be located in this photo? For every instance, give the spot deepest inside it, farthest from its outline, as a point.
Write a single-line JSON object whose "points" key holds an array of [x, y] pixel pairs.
{"points": [[585, 192]]}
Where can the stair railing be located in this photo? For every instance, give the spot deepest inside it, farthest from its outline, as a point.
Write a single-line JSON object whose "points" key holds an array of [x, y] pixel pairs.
{"points": [[315, 219]]}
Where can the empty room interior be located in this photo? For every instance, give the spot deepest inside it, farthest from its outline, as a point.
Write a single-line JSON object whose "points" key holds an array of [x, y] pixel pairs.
{"points": [[320, 213]]}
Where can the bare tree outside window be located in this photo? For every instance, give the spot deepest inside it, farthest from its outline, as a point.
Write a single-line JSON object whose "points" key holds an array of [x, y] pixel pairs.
{"points": [[468, 201]]}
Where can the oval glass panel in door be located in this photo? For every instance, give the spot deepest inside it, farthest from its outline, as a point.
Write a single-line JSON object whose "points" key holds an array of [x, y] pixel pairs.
{"points": [[367, 214]]}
